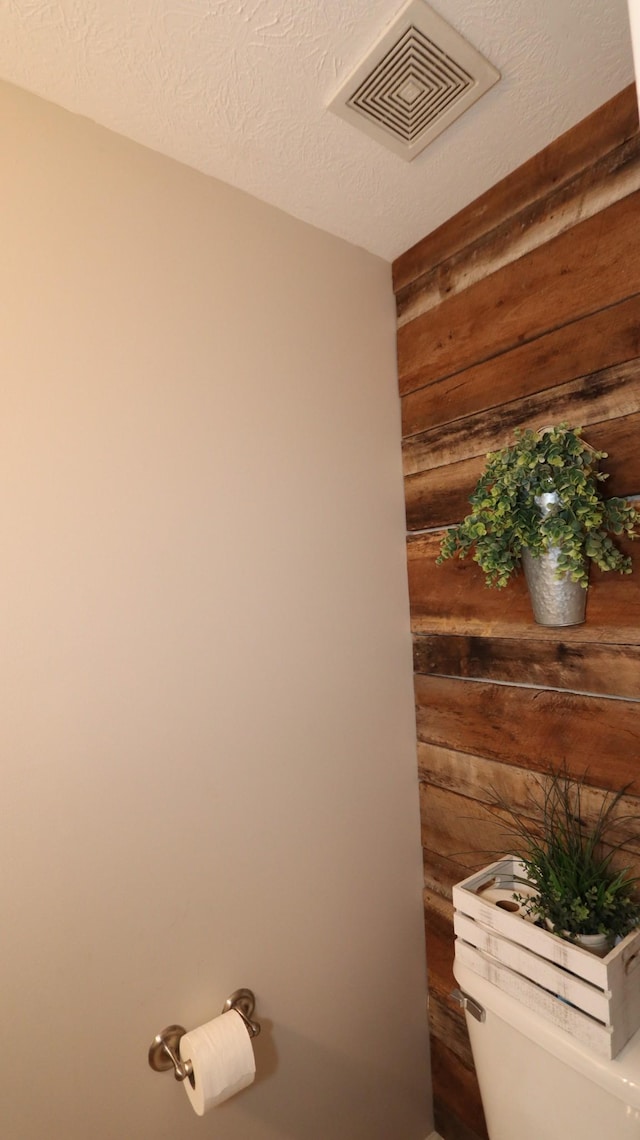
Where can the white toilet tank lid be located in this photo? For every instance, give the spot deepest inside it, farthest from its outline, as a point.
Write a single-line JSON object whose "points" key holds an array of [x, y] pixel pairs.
{"points": [[620, 1077]]}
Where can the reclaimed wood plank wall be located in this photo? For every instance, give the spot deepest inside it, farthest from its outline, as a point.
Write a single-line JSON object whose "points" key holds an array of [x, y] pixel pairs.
{"points": [[523, 310]]}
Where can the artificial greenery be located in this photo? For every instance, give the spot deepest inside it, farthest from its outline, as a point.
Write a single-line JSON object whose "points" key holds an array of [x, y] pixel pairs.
{"points": [[570, 864], [505, 516]]}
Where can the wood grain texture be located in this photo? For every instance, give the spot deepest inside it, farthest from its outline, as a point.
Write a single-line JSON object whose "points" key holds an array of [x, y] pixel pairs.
{"points": [[483, 781], [574, 151], [440, 947], [606, 395], [599, 340], [450, 1126], [457, 1103], [606, 182], [579, 147], [441, 872], [447, 1024], [475, 778], [532, 728], [582, 667], [556, 283], [452, 598], [436, 902], [523, 310], [440, 496], [467, 832]]}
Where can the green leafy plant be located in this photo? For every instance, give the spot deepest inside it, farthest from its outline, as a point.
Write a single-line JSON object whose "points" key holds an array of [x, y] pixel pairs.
{"points": [[506, 518], [572, 865]]}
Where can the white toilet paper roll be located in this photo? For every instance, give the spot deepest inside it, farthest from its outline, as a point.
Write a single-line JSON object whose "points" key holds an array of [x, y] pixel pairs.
{"points": [[223, 1062], [501, 897]]}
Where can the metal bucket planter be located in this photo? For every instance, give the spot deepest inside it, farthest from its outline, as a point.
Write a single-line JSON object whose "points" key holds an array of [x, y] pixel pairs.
{"points": [[555, 601]]}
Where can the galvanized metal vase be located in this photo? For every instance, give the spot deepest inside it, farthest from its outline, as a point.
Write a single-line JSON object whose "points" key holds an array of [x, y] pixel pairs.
{"points": [[555, 601]]}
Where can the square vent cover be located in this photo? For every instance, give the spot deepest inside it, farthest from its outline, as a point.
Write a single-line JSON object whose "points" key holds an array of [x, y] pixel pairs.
{"points": [[417, 79]]}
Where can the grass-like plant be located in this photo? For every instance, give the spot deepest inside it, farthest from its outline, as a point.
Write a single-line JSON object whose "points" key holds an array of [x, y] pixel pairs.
{"points": [[506, 518], [571, 864]]}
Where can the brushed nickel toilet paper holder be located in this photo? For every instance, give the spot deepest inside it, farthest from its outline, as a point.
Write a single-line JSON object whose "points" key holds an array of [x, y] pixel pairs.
{"points": [[164, 1051]]}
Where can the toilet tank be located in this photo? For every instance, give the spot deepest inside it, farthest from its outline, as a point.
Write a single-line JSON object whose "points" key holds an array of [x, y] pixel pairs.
{"points": [[538, 1083]]}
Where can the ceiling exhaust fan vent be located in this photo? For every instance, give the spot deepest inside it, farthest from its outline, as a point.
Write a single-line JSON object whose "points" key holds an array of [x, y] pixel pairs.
{"points": [[419, 77]]}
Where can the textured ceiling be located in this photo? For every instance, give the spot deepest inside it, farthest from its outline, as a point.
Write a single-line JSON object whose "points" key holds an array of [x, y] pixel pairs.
{"points": [[239, 89]]}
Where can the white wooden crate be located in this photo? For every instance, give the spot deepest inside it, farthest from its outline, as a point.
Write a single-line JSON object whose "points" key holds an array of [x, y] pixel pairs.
{"points": [[596, 1000]]}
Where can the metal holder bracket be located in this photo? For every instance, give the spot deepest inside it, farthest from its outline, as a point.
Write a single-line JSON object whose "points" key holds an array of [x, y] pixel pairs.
{"points": [[244, 1003], [164, 1052], [469, 1004]]}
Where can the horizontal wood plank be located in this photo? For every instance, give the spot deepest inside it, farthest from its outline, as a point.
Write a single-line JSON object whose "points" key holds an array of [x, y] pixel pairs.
{"points": [[480, 779], [441, 872], [440, 496], [610, 394], [579, 147], [447, 1024], [453, 598], [440, 946], [583, 667], [599, 186], [532, 728], [442, 906], [599, 340], [465, 831], [457, 1101], [476, 778], [523, 310], [448, 1122], [557, 283]]}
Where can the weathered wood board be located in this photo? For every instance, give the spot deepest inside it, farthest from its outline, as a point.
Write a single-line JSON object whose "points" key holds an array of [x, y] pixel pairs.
{"points": [[557, 283], [440, 496], [533, 728], [453, 598], [595, 1000], [458, 1109], [597, 341], [602, 396], [606, 182], [449, 780], [576, 150], [522, 311], [580, 667]]}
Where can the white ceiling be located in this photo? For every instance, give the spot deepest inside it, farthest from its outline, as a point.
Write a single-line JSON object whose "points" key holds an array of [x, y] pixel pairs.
{"points": [[239, 89]]}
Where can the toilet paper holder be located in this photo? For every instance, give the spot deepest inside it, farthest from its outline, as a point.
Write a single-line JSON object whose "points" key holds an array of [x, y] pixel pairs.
{"points": [[164, 1050]]}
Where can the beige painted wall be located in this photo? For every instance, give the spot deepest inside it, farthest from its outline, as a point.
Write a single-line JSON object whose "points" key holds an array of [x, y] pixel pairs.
{"points": [[208, 741]]}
